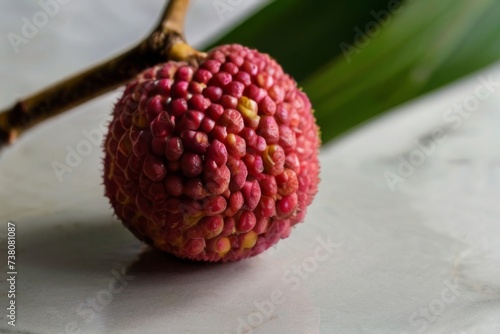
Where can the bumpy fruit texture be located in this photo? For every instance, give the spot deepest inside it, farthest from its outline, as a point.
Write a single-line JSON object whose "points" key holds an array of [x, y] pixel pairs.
{"points": [[214, 163]]}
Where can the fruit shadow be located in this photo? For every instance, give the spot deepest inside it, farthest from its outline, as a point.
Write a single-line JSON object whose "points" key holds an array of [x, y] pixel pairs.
{"points": [[95, 247], [92, 246], [161, 289], [81, 260]]}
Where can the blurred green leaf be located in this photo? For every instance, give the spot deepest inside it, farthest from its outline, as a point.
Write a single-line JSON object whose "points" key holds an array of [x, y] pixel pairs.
{"points": [[427, 45], [423, 46]]}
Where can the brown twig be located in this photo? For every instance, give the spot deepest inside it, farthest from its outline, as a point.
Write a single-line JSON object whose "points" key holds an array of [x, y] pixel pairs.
{"points": [[166, 42]]}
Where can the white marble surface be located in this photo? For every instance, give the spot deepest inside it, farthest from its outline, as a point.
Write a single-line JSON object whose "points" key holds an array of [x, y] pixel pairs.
{"points": [[423, 258]]}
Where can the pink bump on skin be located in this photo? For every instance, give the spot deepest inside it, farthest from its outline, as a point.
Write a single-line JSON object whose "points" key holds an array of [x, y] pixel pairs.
{"points": [[154, 168]]}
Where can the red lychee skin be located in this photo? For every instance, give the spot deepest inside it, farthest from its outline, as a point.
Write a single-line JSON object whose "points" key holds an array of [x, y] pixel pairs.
{"points": [[214, 163]]}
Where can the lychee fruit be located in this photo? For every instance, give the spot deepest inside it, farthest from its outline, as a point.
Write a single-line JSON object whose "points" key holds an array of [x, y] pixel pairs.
{"points": [[215, 162]]}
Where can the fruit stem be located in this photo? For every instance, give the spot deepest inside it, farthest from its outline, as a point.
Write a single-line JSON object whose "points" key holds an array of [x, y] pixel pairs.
{"points": [[165, 43], [174, 17]]}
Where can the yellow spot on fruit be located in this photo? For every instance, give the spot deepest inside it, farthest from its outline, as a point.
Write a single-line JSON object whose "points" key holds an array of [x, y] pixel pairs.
{"points": [[231, 139], [140, 120], [191, 220], [247, 107], [267, 156], [249, 240], [223, 246]]}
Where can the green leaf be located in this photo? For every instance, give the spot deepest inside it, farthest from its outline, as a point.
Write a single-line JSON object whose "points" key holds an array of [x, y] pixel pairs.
{"points": [[427, 45], [424, 45]]}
